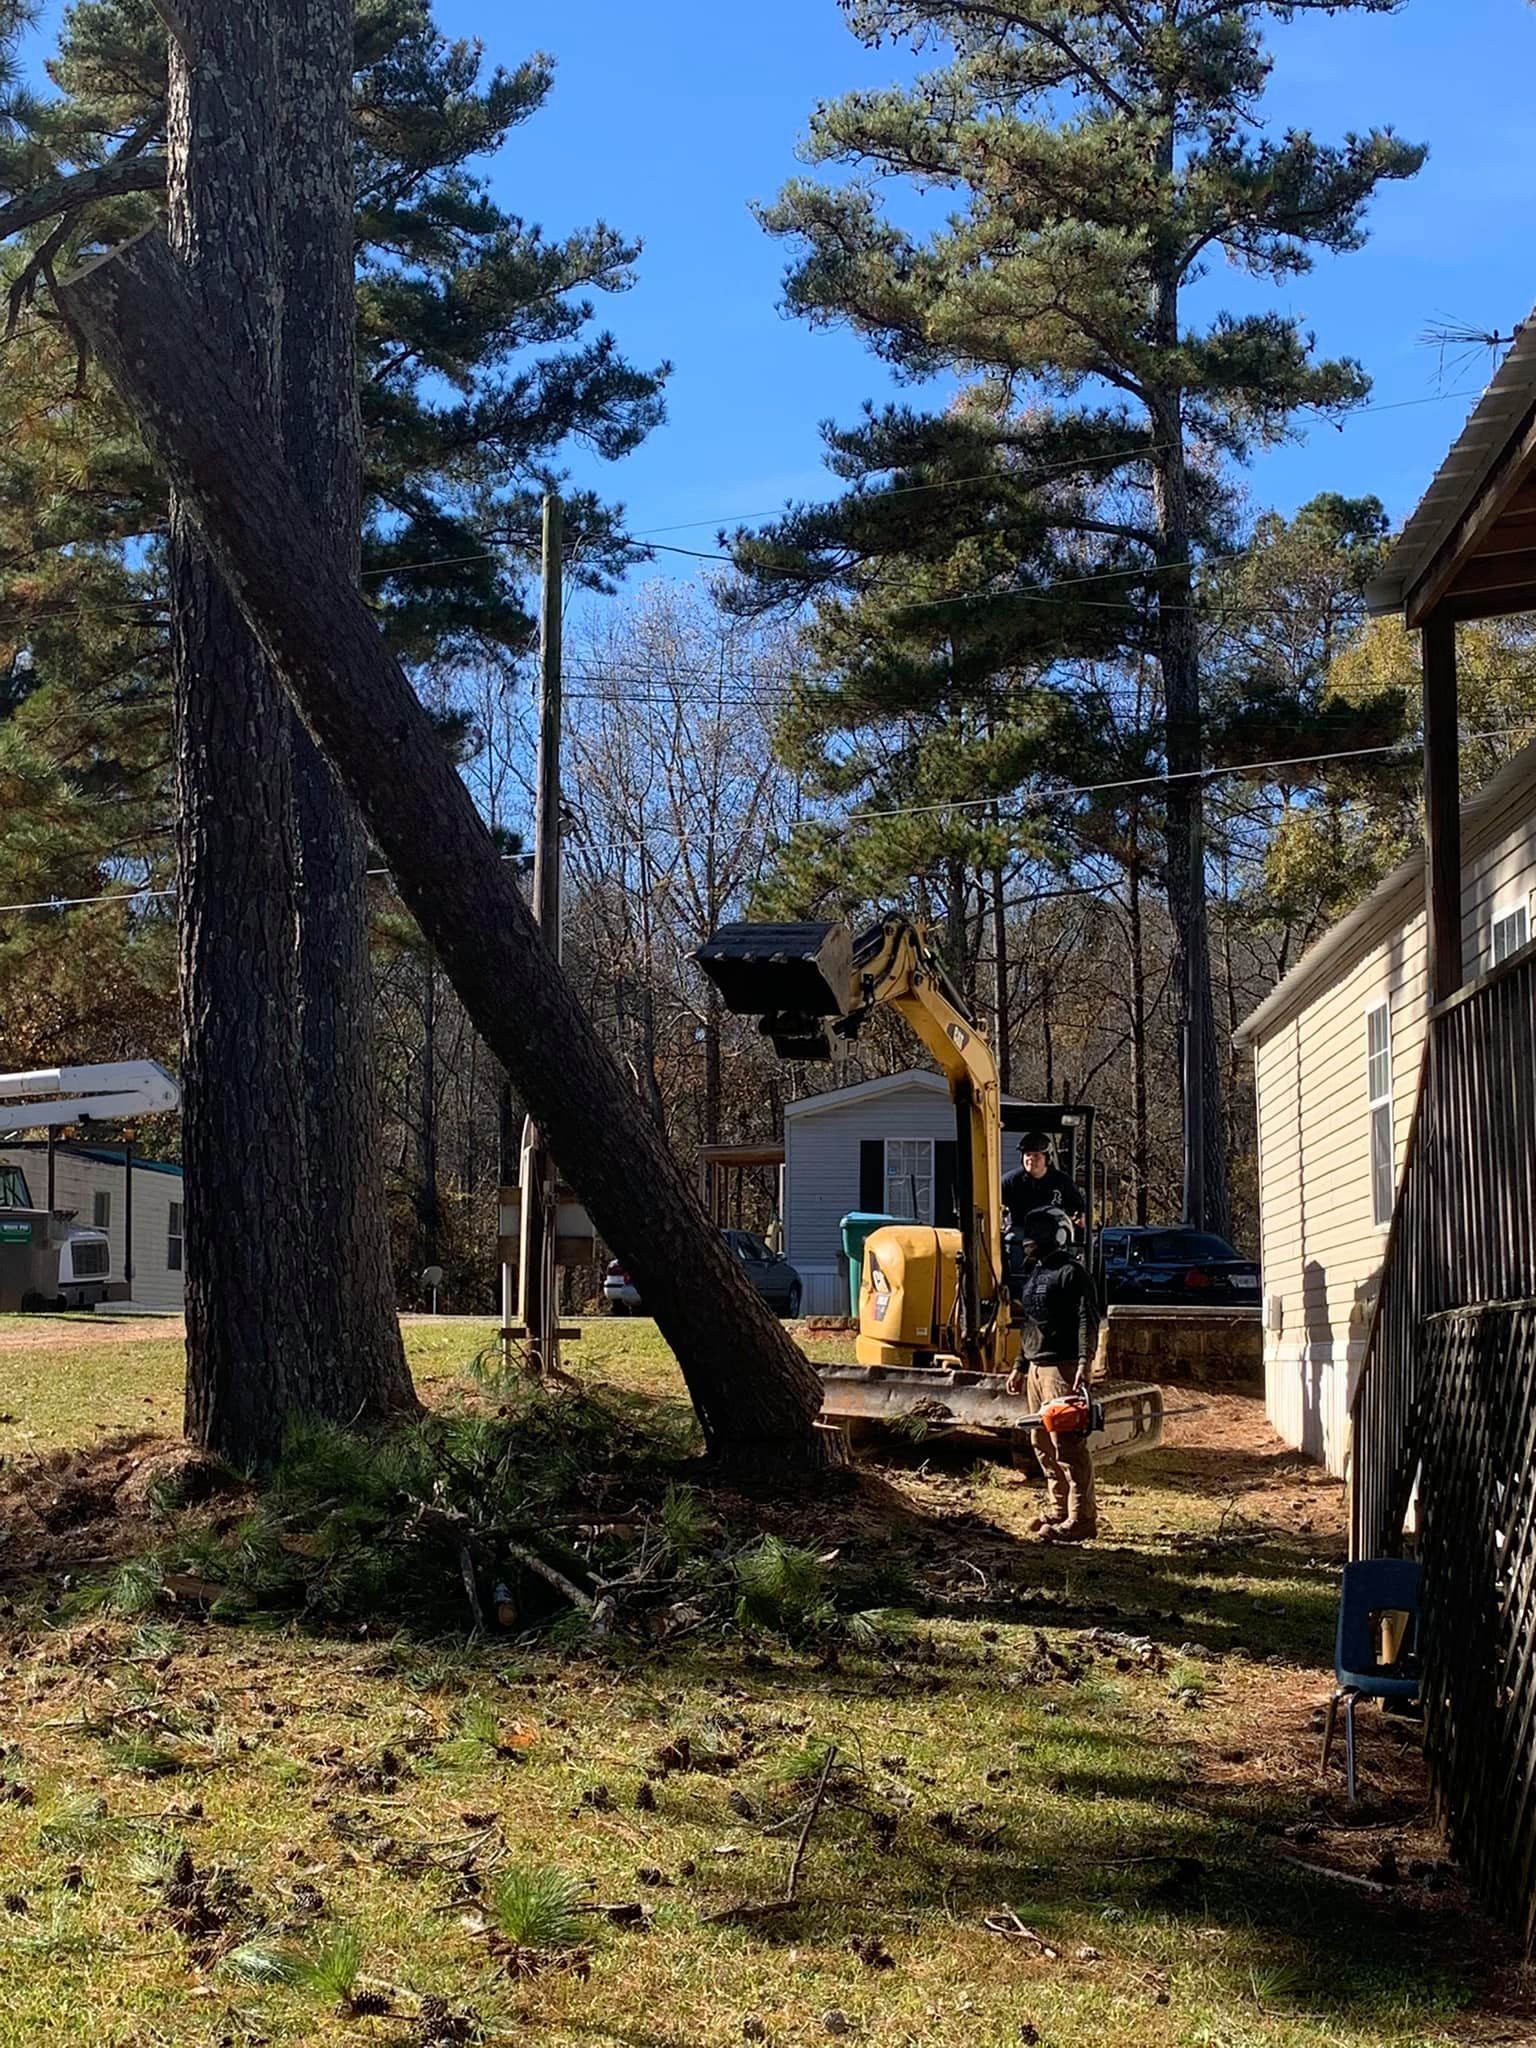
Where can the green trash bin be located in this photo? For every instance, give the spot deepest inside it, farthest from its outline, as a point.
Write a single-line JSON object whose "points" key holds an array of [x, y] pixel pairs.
{"points": [[856, 1228]]}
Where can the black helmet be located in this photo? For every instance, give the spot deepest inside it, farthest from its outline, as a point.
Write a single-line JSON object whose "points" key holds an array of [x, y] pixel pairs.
{"points": [[1050, 1229], [1034, 1141]]}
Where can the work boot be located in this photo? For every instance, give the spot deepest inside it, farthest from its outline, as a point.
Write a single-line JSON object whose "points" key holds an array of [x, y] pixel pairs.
{"points": [[1049, 1520], [1069, 1532]]}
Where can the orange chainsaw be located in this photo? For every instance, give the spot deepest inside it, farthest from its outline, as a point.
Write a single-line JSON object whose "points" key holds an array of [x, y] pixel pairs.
{"points": [[1073, 1415]]}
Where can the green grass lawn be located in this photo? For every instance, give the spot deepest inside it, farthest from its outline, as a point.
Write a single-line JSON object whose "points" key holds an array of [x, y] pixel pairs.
{"points": [[354, 1806]]}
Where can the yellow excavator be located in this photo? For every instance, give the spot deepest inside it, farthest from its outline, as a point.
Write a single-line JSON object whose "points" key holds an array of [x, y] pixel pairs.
{"points": [[936, 1329]]}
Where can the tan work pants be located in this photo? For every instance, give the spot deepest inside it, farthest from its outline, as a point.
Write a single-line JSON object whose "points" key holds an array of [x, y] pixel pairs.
{"points": [[1066, 1461]]}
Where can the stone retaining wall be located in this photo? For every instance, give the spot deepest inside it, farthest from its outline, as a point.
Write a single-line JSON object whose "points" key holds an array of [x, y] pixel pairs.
{"points": [[1207, 1347]]}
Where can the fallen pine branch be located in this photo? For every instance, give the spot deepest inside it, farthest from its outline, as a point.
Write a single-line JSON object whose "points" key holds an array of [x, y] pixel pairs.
{"points": [[810, 1821]]}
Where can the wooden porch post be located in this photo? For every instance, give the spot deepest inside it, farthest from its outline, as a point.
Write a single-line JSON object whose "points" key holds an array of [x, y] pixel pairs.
{"points": [[1442, 806]]}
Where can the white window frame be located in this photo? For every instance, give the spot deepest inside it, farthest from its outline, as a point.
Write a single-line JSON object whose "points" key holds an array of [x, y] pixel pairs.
{"points": [[101, 1209], [175, 1237], [1505, 914], [905, 1178], [1379, 1113]]}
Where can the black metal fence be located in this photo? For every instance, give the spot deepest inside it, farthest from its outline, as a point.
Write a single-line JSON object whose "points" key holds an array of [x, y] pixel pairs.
{"points": [[1446, 1409]]}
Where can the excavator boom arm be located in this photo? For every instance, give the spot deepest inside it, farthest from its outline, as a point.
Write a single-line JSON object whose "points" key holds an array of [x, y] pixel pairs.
{"points": [[813, 989]]}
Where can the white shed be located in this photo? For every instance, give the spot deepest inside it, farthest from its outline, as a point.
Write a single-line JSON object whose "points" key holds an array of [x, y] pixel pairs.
{"points": [[90, 1184], [885, 1146], [1337, 1048]]}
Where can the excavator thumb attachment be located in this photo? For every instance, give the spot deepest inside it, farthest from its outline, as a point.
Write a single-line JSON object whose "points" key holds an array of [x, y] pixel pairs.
{"points": [[796, 979]]}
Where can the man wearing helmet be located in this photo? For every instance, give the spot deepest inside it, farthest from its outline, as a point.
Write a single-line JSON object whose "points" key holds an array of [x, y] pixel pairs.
{"points": [[1057, 1317]]}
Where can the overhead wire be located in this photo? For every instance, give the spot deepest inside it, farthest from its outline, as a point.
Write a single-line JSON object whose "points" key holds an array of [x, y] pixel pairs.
{"points": [[129, 894]]}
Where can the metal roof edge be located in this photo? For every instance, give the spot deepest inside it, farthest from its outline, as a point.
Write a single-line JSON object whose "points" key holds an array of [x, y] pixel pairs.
{"points": [[864, 1091], [1512, 789], [104, 1155], [1353, 935], [1506, 399]]}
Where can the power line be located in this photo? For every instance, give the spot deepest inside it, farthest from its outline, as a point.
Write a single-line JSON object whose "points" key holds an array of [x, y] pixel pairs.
{"points": [[1160, 781], [131, 895]]}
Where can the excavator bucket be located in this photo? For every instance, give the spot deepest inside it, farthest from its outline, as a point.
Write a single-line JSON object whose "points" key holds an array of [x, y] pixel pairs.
{"points": [[794, 978], [805, 969]]}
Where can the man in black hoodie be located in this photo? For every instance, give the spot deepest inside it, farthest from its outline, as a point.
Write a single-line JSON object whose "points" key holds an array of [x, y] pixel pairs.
{"points": [[1058, 1330]]}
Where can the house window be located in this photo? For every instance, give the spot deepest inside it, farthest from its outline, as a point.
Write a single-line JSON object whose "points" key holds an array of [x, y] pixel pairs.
{"points": [[1508, 932], [101, 1209], [173, 1234], [909, 1178], [1378, 1068], [13, 1189]]}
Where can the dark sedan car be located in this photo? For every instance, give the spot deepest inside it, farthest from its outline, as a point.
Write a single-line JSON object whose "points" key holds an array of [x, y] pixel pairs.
{"points": [[774, 1278], [1188, 1268]]}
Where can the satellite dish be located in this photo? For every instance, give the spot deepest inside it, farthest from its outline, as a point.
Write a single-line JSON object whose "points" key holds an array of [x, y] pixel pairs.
{"points": [[432, 1276]]}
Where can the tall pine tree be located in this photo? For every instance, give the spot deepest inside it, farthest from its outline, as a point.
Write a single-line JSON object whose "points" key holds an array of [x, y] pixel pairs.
{"points": [[1098, 158], [475, 370]]}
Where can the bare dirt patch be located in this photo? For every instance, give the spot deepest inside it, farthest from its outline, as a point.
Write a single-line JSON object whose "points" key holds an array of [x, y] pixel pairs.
{"points": [[68, 1511], [83, 1333]]}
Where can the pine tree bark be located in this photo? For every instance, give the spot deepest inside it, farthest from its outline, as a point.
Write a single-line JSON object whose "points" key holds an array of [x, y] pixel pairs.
{"points": [[755, 1395], [1002, 1023], [429, 1201], [1205, 1162], [248, 1353], [1205, 1173], [355, 1328], [1141, 1142]]}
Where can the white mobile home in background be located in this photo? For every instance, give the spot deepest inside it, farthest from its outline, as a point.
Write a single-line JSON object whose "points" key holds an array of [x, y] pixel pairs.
{"points": [[91, 1184]]}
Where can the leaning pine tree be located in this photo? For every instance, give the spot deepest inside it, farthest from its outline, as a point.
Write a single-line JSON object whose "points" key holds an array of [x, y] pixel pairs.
{"points": [[475, 363], [1097, 159]]}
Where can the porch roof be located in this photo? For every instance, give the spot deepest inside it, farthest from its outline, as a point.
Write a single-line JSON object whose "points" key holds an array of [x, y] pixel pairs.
{"points": [[1469, 551]]}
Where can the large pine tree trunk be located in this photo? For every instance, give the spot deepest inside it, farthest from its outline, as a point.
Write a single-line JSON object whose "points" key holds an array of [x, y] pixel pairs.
{"points": [[247, 1291], [356, 1331], [1002, 1022], [755, 1395], [1205, 1166], [1141, 1142]]}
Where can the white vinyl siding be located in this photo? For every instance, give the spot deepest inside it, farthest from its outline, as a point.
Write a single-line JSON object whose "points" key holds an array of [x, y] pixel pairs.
{"points": [[1378, 1084], [822, 1139], [1320, 1239], [909, 1178]]}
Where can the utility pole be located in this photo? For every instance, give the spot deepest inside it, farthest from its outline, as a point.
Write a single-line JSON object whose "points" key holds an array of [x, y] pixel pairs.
{"points": [[538, 1287]]}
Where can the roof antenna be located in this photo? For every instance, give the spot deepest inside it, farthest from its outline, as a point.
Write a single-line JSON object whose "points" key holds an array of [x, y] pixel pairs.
{"points": [[1459, 345]]}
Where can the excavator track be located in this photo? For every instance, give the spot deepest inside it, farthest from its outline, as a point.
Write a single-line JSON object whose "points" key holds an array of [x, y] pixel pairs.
{"points": [[975, 1402]]}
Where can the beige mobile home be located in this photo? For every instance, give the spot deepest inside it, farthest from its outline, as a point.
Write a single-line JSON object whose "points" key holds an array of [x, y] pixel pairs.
{"points": [[1337, 1048]]}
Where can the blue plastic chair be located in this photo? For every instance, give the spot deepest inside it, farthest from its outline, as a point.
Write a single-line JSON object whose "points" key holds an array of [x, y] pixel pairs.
{"points": [[1373, 1586]]}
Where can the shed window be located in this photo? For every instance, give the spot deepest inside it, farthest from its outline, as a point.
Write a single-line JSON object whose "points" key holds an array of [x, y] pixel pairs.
{"points": [[1508, 932], [101, 1209], [13, 1189], [909, 1178], [1378, 1067], [173, 1235]]}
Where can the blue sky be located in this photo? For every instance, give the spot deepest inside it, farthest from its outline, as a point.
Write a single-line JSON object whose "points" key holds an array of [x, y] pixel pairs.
{"points": [[670, 119]]}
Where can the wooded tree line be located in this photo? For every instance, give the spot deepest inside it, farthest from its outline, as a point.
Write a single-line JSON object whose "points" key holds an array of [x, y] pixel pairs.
{"points": [[1016, 674]]}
